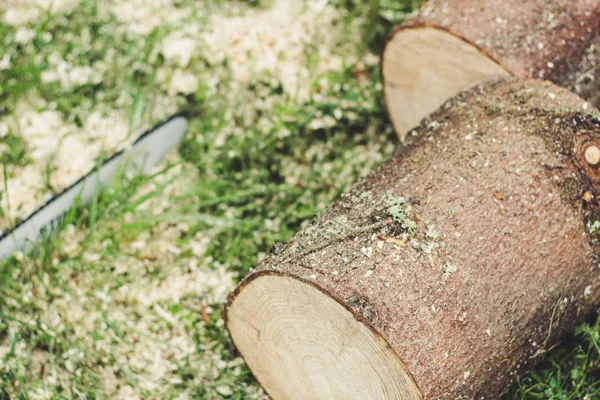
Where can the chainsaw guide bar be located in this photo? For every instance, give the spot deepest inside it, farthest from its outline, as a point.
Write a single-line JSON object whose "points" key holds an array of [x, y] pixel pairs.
{"points": [[145, 153]]}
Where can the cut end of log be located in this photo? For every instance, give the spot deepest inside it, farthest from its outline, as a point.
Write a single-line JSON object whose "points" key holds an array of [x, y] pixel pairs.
{"points": [[297, 339], [424, 66]]}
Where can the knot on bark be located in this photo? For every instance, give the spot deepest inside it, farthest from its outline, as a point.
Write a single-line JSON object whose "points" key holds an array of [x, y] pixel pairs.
{"points": [[361, 306]]}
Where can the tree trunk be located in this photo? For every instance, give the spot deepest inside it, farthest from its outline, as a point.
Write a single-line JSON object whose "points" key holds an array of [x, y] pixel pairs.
{"points": [[449, 270], [451, 44]]}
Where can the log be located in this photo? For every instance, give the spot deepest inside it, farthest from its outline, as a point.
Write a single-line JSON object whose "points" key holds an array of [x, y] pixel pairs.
{"points": [[449, 45], [446, 273]]}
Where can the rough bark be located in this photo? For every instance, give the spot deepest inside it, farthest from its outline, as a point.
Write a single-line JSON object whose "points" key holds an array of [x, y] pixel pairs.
{"points": [[556, 40], [584, 79], [472, 251]]}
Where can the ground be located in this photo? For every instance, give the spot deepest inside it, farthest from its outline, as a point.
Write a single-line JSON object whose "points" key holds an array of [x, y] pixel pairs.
{"points": [[286, 113]]}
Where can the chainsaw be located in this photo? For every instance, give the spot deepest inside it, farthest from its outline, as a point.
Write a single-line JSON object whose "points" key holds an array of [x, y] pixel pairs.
{"points": [[144, 154]]}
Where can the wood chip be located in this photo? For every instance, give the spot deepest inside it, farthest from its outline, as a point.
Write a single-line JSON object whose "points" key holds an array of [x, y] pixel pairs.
{"points": [[393, 240], [204, 314], [499, 196]]}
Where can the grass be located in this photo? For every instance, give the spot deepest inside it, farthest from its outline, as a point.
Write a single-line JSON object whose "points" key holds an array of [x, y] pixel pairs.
{"points": [[125, 301]]}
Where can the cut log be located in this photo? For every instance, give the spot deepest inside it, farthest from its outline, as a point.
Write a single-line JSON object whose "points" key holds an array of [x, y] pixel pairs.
{"points": [[448, 271], [451, 44]]}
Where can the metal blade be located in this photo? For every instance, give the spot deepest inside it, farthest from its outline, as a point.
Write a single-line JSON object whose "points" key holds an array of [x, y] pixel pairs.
{"points": [[147, 151]]}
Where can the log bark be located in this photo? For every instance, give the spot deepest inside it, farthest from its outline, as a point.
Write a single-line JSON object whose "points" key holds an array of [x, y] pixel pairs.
{"points": [[449, 45], [446, 273]]}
